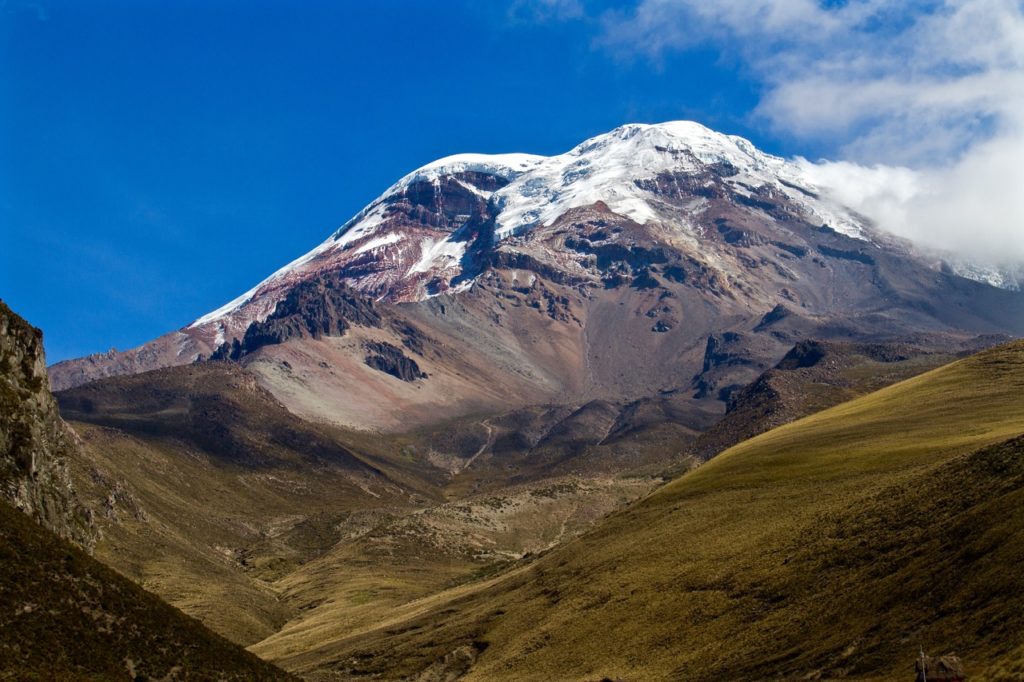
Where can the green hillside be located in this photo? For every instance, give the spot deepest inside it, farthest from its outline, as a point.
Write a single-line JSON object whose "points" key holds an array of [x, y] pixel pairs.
{"points": [[830, 548]]}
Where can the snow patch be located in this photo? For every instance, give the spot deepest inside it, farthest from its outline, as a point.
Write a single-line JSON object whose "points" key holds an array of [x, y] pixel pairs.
{"points": [[604, 169], [541, 189], [378, 242], [438, 255]]}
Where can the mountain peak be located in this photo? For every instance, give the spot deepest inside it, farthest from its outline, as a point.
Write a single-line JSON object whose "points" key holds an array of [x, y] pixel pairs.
{"points": [[675, 133], [410, 243], [687, 221]]}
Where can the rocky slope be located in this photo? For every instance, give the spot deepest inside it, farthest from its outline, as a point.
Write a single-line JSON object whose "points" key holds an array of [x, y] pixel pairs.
{"points": [[630, 264], [35, 444]]}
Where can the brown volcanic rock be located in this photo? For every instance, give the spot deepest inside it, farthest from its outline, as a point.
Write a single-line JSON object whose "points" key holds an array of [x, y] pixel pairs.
{"points": [[34, 441], [323, 306], [393, 361], [629, 317]]}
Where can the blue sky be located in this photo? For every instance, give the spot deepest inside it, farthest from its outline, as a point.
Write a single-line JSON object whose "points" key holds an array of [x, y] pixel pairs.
{"points": [[159, 158]]}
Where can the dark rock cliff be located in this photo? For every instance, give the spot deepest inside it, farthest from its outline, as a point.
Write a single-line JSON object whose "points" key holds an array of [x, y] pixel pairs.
{"points": [[34, 441], [390, 359], [320, 307]]}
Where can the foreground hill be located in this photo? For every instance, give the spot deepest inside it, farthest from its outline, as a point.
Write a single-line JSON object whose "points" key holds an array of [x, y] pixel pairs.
{"points": [[832, 547], [63, 615]]}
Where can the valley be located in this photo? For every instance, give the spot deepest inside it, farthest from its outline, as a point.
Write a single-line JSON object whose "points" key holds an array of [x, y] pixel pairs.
{"points": [[774, 559], [658, 407], [302, 538]]}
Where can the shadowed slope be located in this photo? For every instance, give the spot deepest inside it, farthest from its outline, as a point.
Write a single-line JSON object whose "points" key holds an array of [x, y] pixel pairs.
{"points": [[65, 616], [208, 489]]}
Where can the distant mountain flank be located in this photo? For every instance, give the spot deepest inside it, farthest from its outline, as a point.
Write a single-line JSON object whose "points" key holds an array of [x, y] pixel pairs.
{"points": [[652, 258]]}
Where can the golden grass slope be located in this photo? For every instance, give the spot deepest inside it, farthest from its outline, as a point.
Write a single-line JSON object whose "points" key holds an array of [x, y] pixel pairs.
{"points": [[829, 548], [211, 494], [367, 579], [207, 490]]}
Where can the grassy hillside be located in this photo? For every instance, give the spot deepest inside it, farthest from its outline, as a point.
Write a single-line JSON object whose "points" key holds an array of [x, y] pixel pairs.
{"points": [[208, 490], [65, 616], [814, 376], [211, 494], [832, 547], [364, 579]]}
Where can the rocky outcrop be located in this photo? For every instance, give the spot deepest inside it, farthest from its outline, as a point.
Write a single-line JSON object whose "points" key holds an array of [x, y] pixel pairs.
{"points": [[34, 441], [722, 352], [391, 360], [847, 254], [776, 314], [313, 309]]}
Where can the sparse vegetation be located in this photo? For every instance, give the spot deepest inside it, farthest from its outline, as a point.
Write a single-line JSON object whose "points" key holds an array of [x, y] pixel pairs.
{"points": [[830, 548]]}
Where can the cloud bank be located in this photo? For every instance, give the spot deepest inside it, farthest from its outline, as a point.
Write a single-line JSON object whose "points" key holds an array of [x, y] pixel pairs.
{"points": [[923, 101]]}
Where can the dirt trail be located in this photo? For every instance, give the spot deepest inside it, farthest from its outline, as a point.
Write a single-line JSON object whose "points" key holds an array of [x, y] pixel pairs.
{"points": [[487, 443]]}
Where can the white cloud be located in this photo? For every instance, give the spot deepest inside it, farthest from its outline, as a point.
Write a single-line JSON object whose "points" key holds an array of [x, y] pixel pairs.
{"points": [[923, 100], [973, 207]]}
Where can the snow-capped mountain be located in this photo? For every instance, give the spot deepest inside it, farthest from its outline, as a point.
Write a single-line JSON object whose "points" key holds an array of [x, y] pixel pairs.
{"points": [[406, 247], [632, 262]]}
